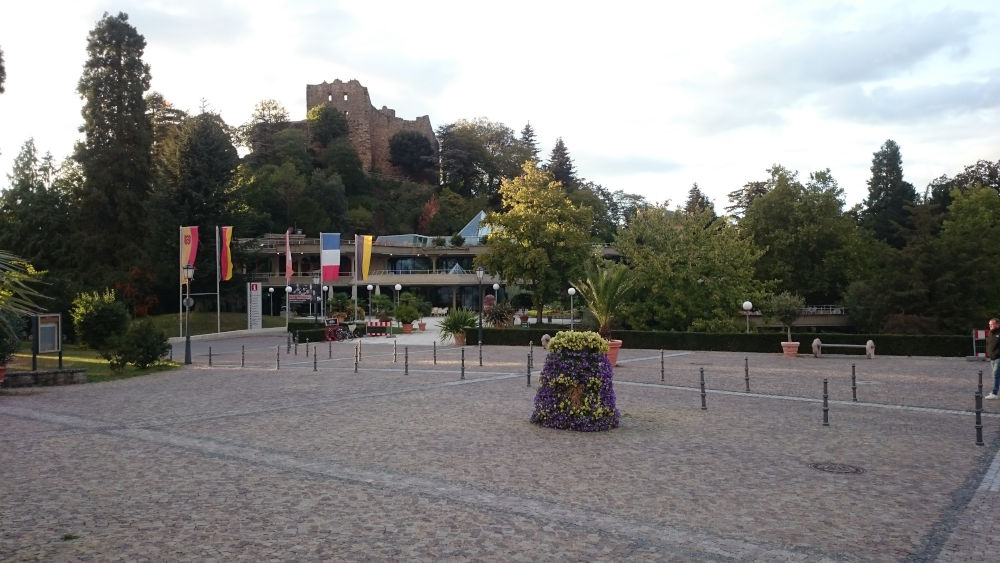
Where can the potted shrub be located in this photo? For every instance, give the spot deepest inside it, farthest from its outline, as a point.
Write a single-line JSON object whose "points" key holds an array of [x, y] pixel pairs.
{"points": [[786, 308], [456, 323], [499, 315], [604, 291], [406, 314], [575, 389]]}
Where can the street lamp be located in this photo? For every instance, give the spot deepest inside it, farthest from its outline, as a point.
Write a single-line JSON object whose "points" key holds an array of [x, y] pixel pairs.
{"points": [[479, 275], [397, 287], [370, 288], [313, 289], [270, 299], [747, 306], [496, 293], [572, 292], [322, 304], [288, 291], [188, 276]]}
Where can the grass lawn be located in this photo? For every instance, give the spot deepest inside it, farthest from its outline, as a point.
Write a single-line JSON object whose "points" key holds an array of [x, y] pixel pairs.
{"points": [[98, 369]]}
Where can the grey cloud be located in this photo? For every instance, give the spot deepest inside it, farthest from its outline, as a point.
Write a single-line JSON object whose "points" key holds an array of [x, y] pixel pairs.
{"points": [[599, 164], [189, 24]]}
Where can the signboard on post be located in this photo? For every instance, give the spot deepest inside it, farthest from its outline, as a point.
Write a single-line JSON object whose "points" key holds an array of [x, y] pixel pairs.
{"points": [[254, 305], [48, 333]]}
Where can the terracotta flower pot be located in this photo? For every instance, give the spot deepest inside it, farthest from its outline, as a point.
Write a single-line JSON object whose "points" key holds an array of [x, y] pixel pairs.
{"points": [[791, 349], [613, 347], [459, 339], [422, 326], [407, 328]]}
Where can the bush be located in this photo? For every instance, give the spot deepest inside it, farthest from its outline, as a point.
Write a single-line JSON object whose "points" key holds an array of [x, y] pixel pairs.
{"points": [[406, 314], [9, 342], [142, 345], [98, 318], [499, 315]]}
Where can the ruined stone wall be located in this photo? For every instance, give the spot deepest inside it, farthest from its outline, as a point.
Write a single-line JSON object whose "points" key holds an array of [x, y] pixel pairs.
{"points": [[370, 128]]}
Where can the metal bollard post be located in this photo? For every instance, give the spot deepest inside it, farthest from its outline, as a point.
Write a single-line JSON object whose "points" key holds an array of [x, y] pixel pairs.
{"points": [[355, 365], [854, 385], [357, 352], [826, 404], [531, 354], [529, 370], [243, 355], [662, 372], [288, 346], [277, 358], [60, 356], [746, 373], [480, 354], [979, 418], [980, 382], [435, 345], [394, 351], [703, 405], [329, 350], [296, 347], [463, 363], [209, 356], [171, 356], [314, 357], [406, 360], [307, 347]]}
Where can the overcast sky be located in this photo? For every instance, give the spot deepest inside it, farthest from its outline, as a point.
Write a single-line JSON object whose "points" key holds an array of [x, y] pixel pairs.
{"points": [[648, 97]]}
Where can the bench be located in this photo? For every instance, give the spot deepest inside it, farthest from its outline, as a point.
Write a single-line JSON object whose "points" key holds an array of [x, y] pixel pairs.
{"points": [[868, 347]]}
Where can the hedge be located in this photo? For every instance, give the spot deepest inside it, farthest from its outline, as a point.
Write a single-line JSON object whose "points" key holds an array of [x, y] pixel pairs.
{"points": [[885, 344]]}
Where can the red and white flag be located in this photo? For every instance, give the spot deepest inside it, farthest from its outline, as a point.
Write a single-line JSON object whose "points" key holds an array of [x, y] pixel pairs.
{"points": [[288, 257]]}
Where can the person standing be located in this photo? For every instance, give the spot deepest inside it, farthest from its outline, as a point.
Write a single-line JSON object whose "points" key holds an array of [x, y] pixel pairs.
{"points": [[993, 353]]}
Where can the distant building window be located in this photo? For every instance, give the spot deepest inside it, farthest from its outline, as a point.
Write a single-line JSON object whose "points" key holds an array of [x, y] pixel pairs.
{"points": [[329, 97], [413, 265], [345, 96]]}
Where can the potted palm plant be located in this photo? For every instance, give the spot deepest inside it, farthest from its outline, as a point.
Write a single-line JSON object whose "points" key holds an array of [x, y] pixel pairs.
{"points": [[455, 324], [406, 314], [604, 291], [10, 328]]}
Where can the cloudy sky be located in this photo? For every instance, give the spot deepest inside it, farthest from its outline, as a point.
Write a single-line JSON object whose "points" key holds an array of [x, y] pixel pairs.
{"points": [[649, 97]]}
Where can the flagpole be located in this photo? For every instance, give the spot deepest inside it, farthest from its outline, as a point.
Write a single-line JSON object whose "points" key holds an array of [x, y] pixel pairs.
{"points": [[180, 287], [218, 276]]}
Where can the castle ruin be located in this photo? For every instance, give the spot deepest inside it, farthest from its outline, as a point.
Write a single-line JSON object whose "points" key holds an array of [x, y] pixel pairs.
{"points": [[369, 129]]}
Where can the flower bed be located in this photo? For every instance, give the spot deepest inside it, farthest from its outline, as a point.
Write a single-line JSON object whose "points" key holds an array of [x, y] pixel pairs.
{"points": [[575, 387]]}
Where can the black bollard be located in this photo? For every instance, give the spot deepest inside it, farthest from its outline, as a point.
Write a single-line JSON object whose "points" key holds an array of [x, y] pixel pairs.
{"points": [[435, 346], [209, 356], [480, 354], [277, 358], [171, 355], [463, 363], [980, 382], [979, 418], [296, 348], [357, 352], [854, 385], [703, 405], [329, 349], [406, 360], [529, 370], [307, 347], [314, 356], [243, 355], [355, 365], [826, 404], [661, 367], [393, 351], [746, 373], [288, 346], [531, 354], [60, 357]]}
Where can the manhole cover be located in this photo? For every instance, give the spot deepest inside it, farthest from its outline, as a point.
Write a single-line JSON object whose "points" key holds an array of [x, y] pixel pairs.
{"points": [[831, 467]]}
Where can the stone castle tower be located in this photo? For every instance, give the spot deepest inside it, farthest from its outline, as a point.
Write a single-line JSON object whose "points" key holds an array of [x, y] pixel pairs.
{"points": [[370, 128]]}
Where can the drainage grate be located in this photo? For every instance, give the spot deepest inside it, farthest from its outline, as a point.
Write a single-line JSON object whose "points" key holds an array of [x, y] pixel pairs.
{"points": [[831, 467]]}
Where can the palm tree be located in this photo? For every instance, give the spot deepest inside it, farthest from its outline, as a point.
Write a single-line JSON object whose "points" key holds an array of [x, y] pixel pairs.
{"points": [[16, 296], [604, 291]]}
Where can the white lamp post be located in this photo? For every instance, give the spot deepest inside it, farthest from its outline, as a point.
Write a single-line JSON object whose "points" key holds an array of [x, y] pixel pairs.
{"points": [[370, 288], [270, 299], [571, 291], [188, 276], [747, 306], [313, 290], [397, 287], [322, 304], [288, 291], [496, 292], [480, 271]]}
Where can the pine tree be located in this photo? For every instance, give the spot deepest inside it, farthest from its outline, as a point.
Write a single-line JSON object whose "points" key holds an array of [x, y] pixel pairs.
{"points": [[698, 202], [529, 142], [561, 166], [889, 196]]}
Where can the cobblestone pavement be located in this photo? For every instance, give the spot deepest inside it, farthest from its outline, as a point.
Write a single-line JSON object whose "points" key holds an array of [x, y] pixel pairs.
{"points": [[271, 455]]}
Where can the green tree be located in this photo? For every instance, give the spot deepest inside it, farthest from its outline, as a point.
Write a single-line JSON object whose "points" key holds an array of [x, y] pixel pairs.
{"points": [[539, 239], [694, 272], [806, 236], [99, 318], [785, 307], [528, 141], [269, 117], [207, 164], [697, 201], [3, 72], [412, 152], [326, 123], [885, 208], [740, 200], [116, 152], [605, 290], [561, 167], [476, 156]]}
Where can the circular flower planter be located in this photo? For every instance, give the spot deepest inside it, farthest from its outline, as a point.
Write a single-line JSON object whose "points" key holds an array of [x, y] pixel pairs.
{"points": [[575, 386]]}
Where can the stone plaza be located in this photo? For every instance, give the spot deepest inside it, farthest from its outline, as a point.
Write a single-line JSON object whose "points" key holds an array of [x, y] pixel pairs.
{"points": [[415, 451]]}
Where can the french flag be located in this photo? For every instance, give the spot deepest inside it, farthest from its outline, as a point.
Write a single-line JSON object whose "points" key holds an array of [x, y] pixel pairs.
{"points": [[329, 255]]}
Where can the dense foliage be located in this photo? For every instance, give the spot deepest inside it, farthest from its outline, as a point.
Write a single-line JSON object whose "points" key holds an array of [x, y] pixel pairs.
{"points": [[575, 390]]}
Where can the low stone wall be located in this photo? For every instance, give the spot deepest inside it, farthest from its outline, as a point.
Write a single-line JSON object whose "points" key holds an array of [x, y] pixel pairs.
{"points": [[50, 377]]}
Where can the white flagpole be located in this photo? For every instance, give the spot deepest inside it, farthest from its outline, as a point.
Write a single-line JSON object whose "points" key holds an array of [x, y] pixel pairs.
{"points": [[218, 276]]}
